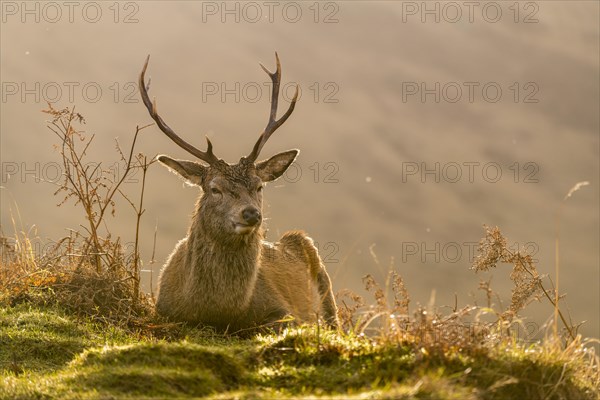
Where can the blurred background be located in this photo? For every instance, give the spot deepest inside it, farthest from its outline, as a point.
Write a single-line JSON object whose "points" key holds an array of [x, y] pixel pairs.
{"points": [[418, 123]]}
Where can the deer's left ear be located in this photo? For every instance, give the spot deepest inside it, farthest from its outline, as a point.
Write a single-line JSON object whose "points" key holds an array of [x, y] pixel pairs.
{"points": [[274, 167]]}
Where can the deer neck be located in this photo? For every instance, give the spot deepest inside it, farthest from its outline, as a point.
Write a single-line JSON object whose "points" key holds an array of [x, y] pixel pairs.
{"points": [[225, 266]]}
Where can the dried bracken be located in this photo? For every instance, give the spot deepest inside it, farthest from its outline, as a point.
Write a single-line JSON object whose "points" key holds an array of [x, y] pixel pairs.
{"points": [[435, 332], [349, 303], [379, 294], [401, 297], [428, 329], [527, 282]]}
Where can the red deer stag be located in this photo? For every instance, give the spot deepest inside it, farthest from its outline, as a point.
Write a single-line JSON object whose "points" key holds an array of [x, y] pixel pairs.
{"points": [[223, 273]]}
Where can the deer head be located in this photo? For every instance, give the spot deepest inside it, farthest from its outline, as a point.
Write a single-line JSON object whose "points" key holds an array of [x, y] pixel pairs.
{"points": [[231, 203]]}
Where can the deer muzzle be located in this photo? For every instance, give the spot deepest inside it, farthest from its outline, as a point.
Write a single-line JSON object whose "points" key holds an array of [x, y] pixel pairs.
{"points": [[251, 219]]}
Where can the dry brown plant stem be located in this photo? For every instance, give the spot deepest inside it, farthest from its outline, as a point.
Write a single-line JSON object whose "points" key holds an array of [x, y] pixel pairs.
{"points": [[143, 164], [95, 189]]}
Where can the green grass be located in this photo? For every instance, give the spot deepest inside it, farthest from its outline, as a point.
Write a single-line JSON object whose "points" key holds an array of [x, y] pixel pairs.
{"points": [[45, 353]]}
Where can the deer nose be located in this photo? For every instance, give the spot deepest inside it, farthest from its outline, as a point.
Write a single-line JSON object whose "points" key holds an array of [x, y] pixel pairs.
{"points": [[251, 215]]}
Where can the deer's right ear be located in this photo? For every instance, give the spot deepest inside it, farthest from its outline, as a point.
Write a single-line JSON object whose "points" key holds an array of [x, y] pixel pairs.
{"points": [[191, 171]]}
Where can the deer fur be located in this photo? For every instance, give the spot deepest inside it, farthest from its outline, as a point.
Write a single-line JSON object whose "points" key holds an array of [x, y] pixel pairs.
{"points": [[235, 281]]}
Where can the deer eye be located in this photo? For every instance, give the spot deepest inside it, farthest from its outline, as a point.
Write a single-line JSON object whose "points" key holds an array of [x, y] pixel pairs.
{"points": [[259, 189], [214, 190]]}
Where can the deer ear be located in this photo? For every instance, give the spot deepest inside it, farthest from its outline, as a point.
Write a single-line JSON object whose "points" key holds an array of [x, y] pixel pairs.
{"points": [[191, 171], [275, 166]]}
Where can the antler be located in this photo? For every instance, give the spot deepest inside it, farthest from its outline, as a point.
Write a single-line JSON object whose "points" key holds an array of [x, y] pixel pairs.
{"points": [[273, 123], [207, 156]]}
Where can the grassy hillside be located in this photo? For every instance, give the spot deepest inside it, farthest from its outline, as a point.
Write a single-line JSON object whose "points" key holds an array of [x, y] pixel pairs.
{"points": [[74, 323], [47, 353]]}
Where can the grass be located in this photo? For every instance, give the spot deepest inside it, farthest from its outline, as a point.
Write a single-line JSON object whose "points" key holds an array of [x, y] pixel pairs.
{"points": [[47, 353]]}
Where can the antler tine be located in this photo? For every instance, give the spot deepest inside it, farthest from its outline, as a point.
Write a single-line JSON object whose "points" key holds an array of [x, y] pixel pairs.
{"points": [[273, 123], [207, 156]]}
